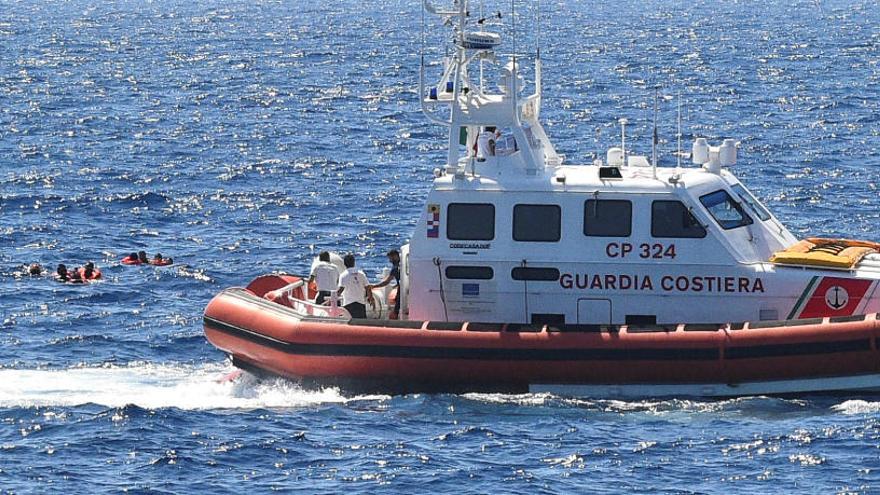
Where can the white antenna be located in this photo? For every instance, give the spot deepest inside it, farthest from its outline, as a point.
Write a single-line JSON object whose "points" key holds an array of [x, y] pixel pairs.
{"points": [[655, 139], [538, 31], [679, 131], [481, 59], [623, 123], [513, 27]]}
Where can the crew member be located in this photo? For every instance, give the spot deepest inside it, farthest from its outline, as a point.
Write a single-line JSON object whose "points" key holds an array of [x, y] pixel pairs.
{"points": [[486, 143], [354, 289], [326, 277], [394, 274]]}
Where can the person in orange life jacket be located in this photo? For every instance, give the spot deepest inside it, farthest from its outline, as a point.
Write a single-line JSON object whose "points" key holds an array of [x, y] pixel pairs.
{"points": [[142, 257], [326, 277], [160, 261], [89, 272], [394, 274], [354, 289]]}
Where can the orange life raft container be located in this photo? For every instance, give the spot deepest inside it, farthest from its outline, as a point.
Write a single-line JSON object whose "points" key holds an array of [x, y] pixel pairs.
{"points": [[767, 357], [829, 253]]}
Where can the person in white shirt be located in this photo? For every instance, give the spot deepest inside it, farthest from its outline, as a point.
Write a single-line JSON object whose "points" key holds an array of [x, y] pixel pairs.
{"points": [[355, 289], [326, 277], [486, 143]]}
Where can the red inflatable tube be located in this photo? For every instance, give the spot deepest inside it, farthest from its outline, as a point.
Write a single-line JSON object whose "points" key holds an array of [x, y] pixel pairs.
{"points": [[449, 356]]}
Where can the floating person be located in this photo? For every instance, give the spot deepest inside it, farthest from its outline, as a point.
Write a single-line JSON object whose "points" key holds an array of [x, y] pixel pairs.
{"points": [[61, 273], [89, 272], [142, 257], [158, 260], [354, 289], [394, 274], [326, 277], [132, 259], [35, 270], [76, 275]]}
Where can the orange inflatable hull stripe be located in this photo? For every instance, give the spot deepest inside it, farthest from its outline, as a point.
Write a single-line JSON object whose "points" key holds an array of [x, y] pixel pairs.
{"points": [[270, 337]]}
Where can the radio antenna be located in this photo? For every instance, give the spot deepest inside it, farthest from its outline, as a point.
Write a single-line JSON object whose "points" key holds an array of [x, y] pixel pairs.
{"points": [[655, 139], [679, 131]]}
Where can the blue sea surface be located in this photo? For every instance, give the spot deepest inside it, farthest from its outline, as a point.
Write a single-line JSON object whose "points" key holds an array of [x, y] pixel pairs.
{"points": [[241, 137]]}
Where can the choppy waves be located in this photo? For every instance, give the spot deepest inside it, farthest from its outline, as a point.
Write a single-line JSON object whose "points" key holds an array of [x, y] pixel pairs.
{"points": [[243, 137]]}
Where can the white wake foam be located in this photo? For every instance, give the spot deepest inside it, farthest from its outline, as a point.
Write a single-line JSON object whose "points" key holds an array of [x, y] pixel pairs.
{"points": [[857, 407], [154, 386]]}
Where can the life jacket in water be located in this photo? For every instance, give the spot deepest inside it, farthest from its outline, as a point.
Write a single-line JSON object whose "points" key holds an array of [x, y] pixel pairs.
{"points": [[96, 274], [162, 262], [128, 261]]}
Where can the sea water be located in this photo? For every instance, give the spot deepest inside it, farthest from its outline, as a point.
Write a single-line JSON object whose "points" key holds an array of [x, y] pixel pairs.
{"points": [[243, 137]]}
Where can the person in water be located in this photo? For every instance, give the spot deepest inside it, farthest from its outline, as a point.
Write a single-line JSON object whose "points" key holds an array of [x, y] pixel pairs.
{"points": [[354, 289], [142, 257], [394, 274], [159, 260], [76, 276], [132, 258], [326, 277], [89, 272], [61, 274], [35, 270]]}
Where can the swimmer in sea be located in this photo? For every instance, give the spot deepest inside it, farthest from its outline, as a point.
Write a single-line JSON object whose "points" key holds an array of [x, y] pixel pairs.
{"points": [[90, 273], [160, 261]]}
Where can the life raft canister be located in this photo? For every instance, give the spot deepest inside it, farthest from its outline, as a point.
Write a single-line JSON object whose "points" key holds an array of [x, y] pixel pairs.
{"points": [[829, 253]]}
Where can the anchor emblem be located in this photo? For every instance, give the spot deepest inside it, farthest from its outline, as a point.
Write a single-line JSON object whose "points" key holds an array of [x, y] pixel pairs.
{"points": [[836, 297]]}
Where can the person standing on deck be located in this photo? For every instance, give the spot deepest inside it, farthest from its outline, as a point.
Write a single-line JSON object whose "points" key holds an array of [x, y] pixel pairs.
{"points": [[486, 144], [394, 274], [326, 277], [354, 289]]}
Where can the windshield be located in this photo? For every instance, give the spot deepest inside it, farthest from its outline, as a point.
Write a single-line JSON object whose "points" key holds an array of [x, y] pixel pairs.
{"points": [[754, 205], [727, 212]]}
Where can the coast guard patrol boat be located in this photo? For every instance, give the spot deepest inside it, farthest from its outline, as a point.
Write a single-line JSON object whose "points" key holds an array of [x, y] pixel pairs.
{"points": [[611, 278]]}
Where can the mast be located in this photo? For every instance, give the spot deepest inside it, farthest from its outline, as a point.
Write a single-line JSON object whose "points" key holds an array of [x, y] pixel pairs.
{"points": [[473, 106]]}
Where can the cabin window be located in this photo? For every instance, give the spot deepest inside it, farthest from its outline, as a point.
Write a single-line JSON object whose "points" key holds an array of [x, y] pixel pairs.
{"points": [[727, 212], [537, 223], [672, 219], [607, 218], [750, 201], [470, 272], [470, 222], [535, 274]]}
